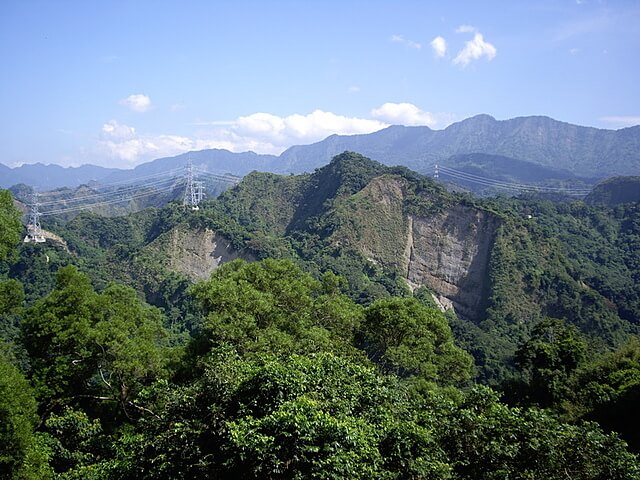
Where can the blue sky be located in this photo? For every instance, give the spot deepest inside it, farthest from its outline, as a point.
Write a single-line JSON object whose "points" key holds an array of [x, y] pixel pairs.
{"points": [[117, 83]]}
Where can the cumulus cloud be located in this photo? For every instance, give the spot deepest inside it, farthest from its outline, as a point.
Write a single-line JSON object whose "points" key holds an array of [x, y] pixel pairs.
{"points": [[259, 132], [123, 144], [409, 114], [276, 133], [439, 46], [116, 131], [406, 42], [474, 50], [137, 102]]}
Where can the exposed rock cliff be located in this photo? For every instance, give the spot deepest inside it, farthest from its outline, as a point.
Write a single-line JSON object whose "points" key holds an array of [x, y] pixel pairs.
{"points": [[194, 252], [449, 253], [443, 248]]}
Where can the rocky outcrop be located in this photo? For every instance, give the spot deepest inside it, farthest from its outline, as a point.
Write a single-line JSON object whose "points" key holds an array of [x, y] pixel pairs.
{"points": [[445, 247], [449, 254], [196, 253]]}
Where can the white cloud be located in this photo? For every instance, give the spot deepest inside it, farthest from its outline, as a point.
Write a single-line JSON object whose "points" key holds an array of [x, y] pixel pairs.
{"points": [[406, 42], [466, 29], [439, 46], [354, 89], [622, 120], [277, 133], [409, 114], [116, 131], [475, 49], [259, 132], [125, 145], [574, 51], [137, 102]]}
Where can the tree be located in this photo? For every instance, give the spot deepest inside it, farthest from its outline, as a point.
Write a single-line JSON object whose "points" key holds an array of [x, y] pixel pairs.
{"points": [[273, 306], [10, 225], [57, 336], [318, 416], [104, 346], [21, 452], [131, 344], [11, 308], [607, 390], [406, 338], [485, 440], [547, 361]]}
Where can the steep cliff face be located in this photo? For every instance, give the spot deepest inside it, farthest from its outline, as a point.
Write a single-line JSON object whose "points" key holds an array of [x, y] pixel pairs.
{"points": [[449, 253], [445, 248], [194, 253]]}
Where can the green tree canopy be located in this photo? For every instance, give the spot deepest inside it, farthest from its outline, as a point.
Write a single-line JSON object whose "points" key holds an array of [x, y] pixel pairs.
{"points": [[548, 359], [409, 339], [21, 452], [10, 225], [105, 345], [273, 306]]}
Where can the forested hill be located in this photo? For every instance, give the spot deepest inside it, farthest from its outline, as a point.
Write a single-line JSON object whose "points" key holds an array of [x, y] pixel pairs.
{"points": [[501, 265], [334, 324], [615, 191]]}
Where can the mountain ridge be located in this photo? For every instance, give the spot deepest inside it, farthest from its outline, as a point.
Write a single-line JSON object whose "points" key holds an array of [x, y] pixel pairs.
{"points": [[586, 152]]}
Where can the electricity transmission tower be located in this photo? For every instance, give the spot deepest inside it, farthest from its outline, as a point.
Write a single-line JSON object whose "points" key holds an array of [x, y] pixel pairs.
{"points": [[34, 231], [194, 191]]}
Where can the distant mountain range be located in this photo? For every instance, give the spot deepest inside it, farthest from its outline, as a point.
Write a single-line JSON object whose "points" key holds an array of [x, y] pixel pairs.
{"points": [[547, 149]]}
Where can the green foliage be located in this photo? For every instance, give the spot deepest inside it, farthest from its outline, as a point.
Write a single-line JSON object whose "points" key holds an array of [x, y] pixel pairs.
{"points": [[10, 225], [408, 339], [274, 306], [607, 390], [56, 334], [21, 454], [567, 261], [302, 417], [614, 191], [36, 268], [274, 384], [11, 307], [131, 343], [487, 440], [547, 360], [81, 343], [72, 439]]}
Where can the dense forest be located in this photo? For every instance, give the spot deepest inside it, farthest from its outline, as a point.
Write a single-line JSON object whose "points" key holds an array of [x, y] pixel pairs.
{"points": [[313, 351]]}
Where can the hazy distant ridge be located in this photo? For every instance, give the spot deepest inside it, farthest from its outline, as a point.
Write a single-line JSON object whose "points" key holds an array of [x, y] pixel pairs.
{"points": [[582, 151]]}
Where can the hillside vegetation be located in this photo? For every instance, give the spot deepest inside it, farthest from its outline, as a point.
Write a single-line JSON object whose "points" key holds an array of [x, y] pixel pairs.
{"points": [[355, 322]]}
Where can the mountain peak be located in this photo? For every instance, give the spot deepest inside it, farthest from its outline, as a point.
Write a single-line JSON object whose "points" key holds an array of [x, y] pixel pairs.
{"points": [[485, 117]]}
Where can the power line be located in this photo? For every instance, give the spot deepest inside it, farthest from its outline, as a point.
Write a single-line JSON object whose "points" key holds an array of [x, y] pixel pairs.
{"points": [[131, 181], [489, 182], [219, 176], [159, 182], [119, 192], [106, 202], [520, 185]]}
